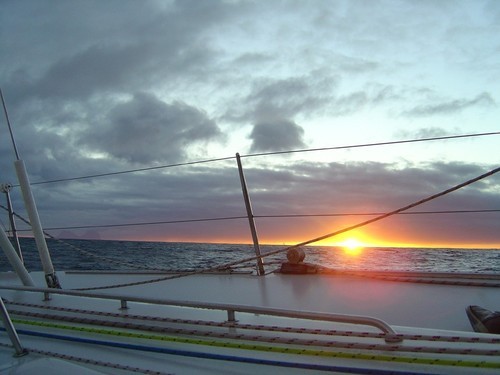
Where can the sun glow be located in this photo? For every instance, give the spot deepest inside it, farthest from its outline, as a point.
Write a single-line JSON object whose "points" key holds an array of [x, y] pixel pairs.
{"points": [[352, 246]]}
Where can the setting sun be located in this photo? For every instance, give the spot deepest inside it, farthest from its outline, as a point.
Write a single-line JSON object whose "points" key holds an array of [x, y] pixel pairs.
{"points": [[351, 246]]}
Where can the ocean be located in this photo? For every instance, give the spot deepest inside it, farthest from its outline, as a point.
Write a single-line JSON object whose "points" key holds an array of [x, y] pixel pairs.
{"points": [[120, 255]]}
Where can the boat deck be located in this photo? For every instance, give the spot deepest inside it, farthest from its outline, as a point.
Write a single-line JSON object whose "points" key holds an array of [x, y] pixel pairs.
{"points": [[239, 325], [401, 299]]}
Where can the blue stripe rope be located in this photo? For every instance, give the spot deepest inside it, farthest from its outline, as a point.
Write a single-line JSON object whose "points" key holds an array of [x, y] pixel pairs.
{"points": [[222, 357]]}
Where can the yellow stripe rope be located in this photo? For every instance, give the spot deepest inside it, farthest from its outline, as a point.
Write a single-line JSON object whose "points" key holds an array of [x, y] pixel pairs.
{"points": [[275, 349]]}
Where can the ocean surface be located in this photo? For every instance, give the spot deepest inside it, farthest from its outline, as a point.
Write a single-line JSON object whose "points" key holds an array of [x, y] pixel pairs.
{"points": [[120, 255]]}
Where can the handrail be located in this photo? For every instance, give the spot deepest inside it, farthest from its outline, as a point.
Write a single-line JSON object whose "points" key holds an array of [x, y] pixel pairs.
{"points": [[231, 309]]}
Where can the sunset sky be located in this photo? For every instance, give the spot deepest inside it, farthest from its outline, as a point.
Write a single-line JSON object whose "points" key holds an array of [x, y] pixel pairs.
{"points": [[97, 87]]}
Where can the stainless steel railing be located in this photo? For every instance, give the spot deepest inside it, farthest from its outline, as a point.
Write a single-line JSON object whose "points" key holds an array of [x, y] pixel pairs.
{"points": [[230, 309]]}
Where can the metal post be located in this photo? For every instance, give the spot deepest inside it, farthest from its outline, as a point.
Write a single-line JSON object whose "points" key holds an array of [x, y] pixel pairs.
{"points": [[50, 275], [251, 222], [6, 189], [231, 317], [123, 304], [8, 124], [11, 331], [36, 226], [14, 260]]}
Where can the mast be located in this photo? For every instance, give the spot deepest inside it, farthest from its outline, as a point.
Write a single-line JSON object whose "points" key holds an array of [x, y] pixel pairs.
{"points": [[29, 201]]}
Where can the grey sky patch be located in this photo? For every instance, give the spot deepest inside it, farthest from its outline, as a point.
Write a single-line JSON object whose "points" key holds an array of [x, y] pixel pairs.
{"points": [[252, 59], [422, 133], [90, 71], [381, 94], [288, 97], [452, 106], [117, 54], [352, 64], [270, 99], [370, 96], [350, 103], [276, 135]]}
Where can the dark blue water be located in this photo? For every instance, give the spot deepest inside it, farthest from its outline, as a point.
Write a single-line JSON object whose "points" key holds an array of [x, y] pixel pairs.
{"points": [[119, 255]]}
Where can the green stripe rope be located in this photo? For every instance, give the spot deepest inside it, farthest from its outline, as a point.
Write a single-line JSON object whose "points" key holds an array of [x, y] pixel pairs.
{"points": [[267, 348]]}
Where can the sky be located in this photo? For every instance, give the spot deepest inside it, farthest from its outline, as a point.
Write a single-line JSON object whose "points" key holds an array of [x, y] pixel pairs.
{"points": [[98, 87]]}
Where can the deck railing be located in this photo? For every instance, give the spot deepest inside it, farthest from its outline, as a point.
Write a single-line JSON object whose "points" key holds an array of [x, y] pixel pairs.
{"points": [[230, 309]]}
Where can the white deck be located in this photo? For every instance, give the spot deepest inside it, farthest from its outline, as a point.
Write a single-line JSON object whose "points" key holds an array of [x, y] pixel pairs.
{"points": [[398, 303], [410, 308]]}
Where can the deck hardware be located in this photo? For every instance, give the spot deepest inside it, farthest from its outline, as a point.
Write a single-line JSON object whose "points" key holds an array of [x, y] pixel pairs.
{"points": [[392, 338], [231, 315], [123, 303]]}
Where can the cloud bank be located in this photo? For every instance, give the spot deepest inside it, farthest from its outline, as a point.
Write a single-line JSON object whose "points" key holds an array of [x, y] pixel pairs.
{"points": [[102, 87]]}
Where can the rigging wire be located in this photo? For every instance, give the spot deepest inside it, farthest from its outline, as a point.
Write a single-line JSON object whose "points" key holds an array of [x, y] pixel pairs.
{"points": [[388, 214], [285, 216], [304, 243], [379, 216], [6, 114], [263, 154], [121, 262], [378, 213], [373, 144], [132, 170]]}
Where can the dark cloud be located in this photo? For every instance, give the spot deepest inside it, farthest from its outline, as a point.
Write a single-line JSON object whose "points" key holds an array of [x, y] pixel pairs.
{"points": [[115, 52], [283, 98], [311, 95], [452, 106], [161, 49], [107, 135], [69, 65], [288, 97], [95, 87], [145, 129], [96, 69], [276, 136]]}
